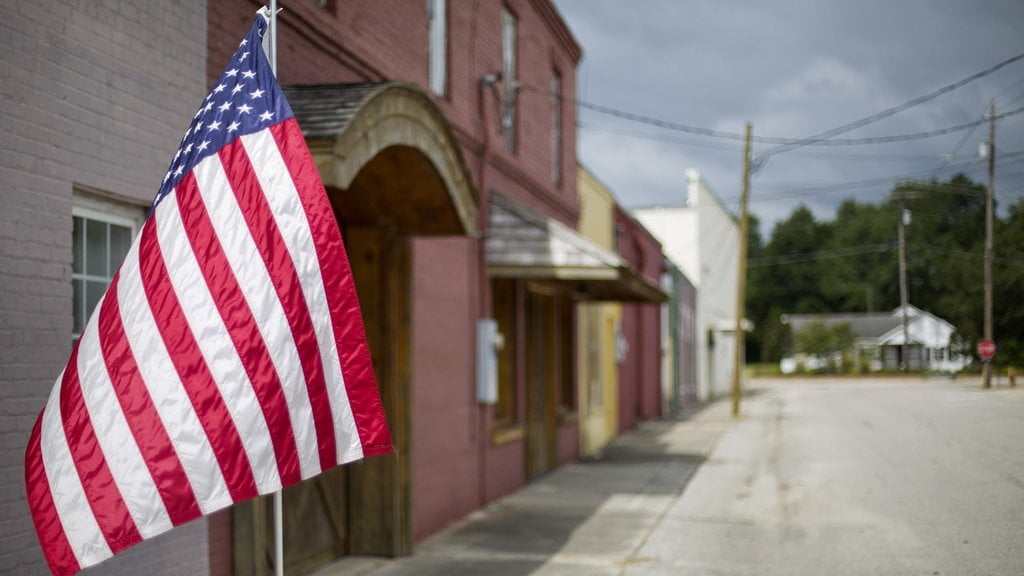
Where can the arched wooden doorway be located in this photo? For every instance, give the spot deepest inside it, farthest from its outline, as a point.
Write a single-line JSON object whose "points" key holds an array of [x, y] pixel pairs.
{"points": [[393, 170]]}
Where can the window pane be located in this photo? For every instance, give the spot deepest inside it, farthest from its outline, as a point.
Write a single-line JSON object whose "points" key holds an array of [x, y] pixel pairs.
{"points": [[508, 71], [77, 245], [95, 248], [77, 297], [93, 293], [120, 241], [438, 46]]}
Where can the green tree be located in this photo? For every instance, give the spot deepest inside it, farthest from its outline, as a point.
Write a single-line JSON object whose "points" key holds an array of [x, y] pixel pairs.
{"points": [[945, 246], [829, 343], [864, 281], [849, 264], [776, 338], [797, 283], [1008, 288], [774, 289]]}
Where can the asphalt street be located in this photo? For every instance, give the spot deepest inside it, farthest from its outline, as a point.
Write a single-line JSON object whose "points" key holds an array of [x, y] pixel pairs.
{"points": [[855, 478], [816, 478]]}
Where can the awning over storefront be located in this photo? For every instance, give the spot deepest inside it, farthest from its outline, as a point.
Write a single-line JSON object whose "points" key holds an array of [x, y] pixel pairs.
{"points": [[525, 245]]}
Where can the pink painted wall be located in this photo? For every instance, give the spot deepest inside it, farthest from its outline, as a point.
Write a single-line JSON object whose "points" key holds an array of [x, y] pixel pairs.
{"points": [[445, 439], [568, 443], [639, 373], [455, 466], [504, 470]]}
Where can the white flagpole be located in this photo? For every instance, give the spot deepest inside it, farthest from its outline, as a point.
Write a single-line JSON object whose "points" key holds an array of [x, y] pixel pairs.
{"points": [[278, 534], [278, 497]]}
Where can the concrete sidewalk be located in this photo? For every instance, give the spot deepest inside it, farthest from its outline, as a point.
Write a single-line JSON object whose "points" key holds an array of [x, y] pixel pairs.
{"points": [[589, 517]]}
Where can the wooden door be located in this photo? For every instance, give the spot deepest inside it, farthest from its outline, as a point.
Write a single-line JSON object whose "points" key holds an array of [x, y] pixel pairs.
{"points": [[362, 508], [380, 488], [541, 370]]}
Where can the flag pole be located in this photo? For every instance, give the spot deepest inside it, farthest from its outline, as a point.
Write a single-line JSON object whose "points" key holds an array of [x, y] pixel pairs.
{"points": [[278, 496]]}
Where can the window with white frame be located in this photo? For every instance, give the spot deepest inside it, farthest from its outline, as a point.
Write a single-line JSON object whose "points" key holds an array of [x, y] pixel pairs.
{"points": [[556, 127], [438, 48], [102, 233], [508, 73]]}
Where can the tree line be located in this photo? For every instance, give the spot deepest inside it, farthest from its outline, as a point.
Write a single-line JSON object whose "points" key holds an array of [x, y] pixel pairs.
{"points": [[850, 265]]}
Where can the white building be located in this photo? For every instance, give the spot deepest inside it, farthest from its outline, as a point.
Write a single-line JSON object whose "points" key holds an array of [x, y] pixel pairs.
{"points": [[879, 337], [702, 238]]}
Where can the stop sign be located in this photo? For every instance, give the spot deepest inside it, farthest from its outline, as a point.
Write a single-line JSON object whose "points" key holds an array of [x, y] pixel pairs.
{"points": [[986, 349]]}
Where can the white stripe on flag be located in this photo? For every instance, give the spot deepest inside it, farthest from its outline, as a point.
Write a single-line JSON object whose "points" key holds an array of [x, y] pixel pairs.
{"points": [[258, 290], [215, 344], [73, 509], [115, 438], [169, 396], [274, 178]]}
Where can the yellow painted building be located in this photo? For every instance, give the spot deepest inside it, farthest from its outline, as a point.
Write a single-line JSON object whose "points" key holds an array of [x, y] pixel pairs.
{"points": [[598, 327]]}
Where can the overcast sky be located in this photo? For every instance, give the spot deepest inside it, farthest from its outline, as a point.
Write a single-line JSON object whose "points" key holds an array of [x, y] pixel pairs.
{"points": [[794, 69]]}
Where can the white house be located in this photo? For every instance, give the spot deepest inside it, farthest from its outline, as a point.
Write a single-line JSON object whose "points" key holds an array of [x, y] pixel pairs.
{"points": [[879, 337], [702, 238]]}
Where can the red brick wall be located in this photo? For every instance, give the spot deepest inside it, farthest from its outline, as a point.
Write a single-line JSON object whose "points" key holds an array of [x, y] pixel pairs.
{"points": [[96, 95], [445, 430], [639, 373], [504, 470], [629, 371], [455, 465], [373, 40]]}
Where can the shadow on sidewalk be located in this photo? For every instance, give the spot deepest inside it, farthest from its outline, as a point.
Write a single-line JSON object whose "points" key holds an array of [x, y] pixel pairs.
{"points": [[587, 517]]}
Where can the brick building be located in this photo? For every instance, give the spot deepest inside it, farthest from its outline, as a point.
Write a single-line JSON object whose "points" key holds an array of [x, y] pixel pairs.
{"points": [[640, 368], [433, 125], [619, 343], [96, 96]]}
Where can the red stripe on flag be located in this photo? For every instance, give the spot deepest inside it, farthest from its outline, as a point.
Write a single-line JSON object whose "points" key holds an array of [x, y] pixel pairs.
{"points": [[354, 352], [104, 497], [192, 369], [243, 329], [56, 548], [265, 232], [147, 428]]}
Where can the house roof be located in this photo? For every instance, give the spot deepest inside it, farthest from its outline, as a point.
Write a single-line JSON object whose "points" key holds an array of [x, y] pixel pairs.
{"points": [[885, 327], [862, 325]]}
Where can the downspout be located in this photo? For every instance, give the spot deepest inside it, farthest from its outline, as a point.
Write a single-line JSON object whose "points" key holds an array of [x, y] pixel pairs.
{"points": [[484, 290]]}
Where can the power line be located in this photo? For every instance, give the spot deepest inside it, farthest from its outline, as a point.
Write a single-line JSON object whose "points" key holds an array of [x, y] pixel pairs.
{"points": [[844, 186], [818, 255], [843, 141], [956, 150], [968, 159], [1006, 90], [783, 259], [976, 256], [890, 111], [908, 137], [786, 144]]}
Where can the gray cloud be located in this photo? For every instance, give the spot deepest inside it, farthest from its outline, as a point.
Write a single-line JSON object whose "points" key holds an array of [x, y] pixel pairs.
{"points": [[792, 68]]}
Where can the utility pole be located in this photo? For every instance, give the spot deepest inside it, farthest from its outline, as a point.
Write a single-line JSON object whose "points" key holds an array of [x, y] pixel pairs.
{"points": [[741, 277], [986, 367], [904, 217]]}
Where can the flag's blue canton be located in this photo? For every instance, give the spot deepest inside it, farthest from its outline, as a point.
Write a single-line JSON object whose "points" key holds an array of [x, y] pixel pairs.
{"points": [[245, 99]]}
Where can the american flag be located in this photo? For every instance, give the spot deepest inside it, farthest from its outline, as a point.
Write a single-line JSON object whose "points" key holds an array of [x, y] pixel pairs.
{"points": [[227, 358]]}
